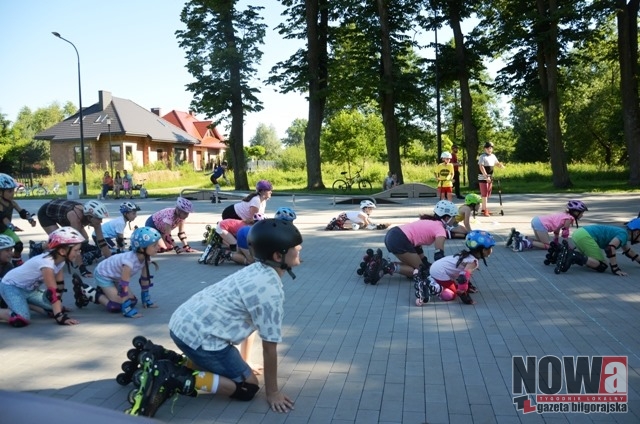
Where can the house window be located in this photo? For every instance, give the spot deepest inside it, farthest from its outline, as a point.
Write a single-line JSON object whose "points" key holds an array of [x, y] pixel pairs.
{"points": [[116, 153], [77, 157], [128, 153], [180, 156]]}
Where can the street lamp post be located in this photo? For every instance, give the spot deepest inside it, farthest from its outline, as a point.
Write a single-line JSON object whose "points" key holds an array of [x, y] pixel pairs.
{"points": [[110, 147], [84, 171]]}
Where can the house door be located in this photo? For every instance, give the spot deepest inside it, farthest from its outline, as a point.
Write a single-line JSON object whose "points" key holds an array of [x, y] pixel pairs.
{"points": [[199, 165]]}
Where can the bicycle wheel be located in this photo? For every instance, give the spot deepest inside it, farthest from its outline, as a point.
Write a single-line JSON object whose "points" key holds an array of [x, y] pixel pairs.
{"points": [[340, 185], [39, 191], [364, 185], [20, 191]]}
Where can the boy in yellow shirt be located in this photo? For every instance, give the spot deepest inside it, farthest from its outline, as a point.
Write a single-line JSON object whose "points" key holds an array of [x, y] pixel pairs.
{"points": [[444, 175]]}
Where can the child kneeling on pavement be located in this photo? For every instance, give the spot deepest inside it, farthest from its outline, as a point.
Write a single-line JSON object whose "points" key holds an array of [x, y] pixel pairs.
{"points": [[209, 325]]}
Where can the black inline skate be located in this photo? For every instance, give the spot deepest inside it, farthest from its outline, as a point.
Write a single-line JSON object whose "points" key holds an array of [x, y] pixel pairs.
{"points": [[510, 238], [159, 380], [83, 293], [143, 348], [36, 248], [568, 257], [552, 253], [376, 268], [365, 261]]}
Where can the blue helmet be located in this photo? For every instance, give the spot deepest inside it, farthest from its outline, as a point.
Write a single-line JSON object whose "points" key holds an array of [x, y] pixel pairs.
{"points": [[634, 224], [128, 207], [143, 237], [286, 214], [478, 239]]}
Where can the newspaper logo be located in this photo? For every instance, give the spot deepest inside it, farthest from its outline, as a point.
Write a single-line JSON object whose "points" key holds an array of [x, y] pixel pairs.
{"points": [[582, 384]]}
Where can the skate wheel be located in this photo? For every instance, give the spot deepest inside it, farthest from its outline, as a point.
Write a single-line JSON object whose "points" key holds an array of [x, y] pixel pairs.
{"points": [[557, 270], [137, 378], [132, 354], [359, 271], [139, 342], [207, 227], [419, 302], [547, 262], [123, 379], [131, 397], [129, 366]]}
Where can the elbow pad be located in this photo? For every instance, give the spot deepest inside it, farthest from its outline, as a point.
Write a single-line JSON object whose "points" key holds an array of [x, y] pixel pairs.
{"points": [[610, 250]]}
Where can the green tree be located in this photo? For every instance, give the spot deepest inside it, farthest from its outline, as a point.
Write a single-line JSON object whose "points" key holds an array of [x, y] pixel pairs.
{"points": [[295, 133], [351, 137], [222, 53], [267, 137], [307, 71]]}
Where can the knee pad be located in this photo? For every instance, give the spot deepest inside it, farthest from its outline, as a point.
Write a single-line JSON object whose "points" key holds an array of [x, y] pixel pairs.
{"points": [[602, 267], [18, 321], [17, 249], [245, 391], [447, 295], [113, 306]]}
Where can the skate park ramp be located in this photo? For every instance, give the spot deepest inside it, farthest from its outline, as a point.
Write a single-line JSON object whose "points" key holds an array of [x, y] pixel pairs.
{"points": [[397, 194]]}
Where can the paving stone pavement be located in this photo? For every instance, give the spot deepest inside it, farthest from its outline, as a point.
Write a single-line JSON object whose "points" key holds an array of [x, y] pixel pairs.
{"points": [[356, 353]]}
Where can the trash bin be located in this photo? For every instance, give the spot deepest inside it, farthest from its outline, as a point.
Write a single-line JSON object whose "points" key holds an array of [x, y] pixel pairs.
{"points": [[73, 190]]}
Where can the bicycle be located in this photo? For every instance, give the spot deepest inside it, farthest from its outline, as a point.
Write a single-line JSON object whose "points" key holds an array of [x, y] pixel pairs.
{"points": [[38, 189], [348, 182]]}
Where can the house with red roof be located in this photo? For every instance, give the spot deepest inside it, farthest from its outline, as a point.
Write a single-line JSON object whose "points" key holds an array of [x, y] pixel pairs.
{"points": [[121, 133], [211, 148]]}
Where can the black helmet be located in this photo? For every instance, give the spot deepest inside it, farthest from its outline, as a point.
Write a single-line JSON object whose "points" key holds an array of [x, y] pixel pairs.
{"points": [[269, 236]]}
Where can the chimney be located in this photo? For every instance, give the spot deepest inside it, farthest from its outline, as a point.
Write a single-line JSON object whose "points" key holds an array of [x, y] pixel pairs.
{"points": [[157, 111], [192, 113], [104, 98]]}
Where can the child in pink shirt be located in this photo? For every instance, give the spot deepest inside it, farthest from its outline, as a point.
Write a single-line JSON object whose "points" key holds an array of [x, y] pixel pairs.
{"points": [[542, 225]]}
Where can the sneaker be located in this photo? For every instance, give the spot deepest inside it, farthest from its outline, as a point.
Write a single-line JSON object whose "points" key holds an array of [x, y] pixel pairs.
{"points": [[486, 212], [510, 238]]}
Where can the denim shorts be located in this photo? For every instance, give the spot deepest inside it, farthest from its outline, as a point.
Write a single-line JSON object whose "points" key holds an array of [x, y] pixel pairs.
{"points": [[537, 225], [226, 362], [18, 299]]}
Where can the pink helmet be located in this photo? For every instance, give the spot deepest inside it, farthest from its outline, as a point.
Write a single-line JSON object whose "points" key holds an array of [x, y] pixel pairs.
{"points": [[184, 205], [64, 236], [264, 185]]}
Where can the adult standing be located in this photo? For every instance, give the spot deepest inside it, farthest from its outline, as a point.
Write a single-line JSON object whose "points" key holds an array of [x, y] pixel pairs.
{"points": [[456, 171], [486, 164], [252, 204]]}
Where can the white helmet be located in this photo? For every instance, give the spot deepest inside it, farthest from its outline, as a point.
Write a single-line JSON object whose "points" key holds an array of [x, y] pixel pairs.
{"points": [[367, 204], [445, 207], [95, 209], [445, 155], [6, 242]]}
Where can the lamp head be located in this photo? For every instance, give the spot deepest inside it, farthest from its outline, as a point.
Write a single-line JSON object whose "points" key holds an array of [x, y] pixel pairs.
{"points": [[57, 34]]}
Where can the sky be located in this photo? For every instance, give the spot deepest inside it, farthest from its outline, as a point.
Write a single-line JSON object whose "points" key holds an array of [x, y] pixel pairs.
{"points": [[126, 47]]}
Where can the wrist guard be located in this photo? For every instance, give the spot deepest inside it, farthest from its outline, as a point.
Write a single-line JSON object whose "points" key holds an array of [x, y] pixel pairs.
{"points": [[439, 254], [182, 235], [101, 243], [121, 288], [565, 233], [61, 318], [120, 242], [615, 269], [24, 214]]}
